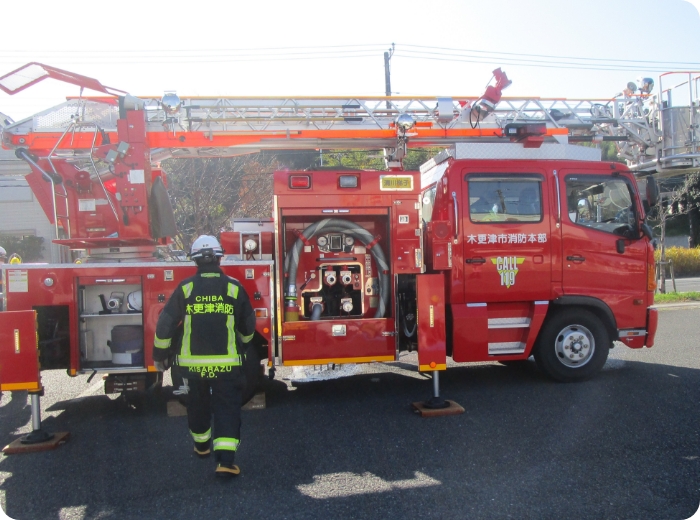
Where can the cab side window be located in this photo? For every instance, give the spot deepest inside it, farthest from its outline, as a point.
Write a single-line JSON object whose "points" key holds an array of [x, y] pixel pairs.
{"points": [[504, 198], [602, 203]]}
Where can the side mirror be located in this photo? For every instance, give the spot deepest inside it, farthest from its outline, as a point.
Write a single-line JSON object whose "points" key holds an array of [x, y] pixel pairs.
{"points": [[620, 245], [583, 210], [624, 230], [647, 231]]}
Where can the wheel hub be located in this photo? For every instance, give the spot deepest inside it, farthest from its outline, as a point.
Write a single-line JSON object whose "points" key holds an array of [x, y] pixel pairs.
{"points": [[575, 346]]}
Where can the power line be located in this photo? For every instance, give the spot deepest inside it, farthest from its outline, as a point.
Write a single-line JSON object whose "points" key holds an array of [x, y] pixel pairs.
{"points": [[332, 50], [203, 59], [485, 60], [247, 49], [498, 53]]}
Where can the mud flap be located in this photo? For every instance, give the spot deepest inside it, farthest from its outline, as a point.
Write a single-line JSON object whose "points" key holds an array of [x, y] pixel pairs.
{"points": [[251, 371]]}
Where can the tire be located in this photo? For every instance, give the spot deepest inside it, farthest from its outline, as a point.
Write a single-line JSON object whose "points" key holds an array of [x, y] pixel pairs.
{"points": [[572, 346]]}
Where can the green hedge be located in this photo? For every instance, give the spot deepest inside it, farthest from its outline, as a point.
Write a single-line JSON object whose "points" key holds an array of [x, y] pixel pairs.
{"points": [[686, 262]]}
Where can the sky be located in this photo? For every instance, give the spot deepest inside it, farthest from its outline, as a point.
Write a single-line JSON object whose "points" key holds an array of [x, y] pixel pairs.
{"points": [[548, 48]]}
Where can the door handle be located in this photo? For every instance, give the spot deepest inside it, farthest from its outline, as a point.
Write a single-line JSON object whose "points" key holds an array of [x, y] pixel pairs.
{"points": [[454, 199], [575, 258], [476, 260]]}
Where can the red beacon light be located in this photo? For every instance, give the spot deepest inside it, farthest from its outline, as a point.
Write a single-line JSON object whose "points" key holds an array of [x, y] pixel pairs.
{"points": [[530, 134], [300, 182]]}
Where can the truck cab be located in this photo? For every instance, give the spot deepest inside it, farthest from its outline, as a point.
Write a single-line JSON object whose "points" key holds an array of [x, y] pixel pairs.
{"points": [[544, 253]]}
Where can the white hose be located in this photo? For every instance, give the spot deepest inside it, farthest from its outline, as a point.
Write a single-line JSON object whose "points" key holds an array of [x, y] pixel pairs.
{"points": [[330, 225]]}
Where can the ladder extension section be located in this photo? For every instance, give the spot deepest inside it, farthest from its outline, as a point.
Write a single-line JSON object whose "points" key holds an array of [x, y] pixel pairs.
{"points": [[650, 132]]}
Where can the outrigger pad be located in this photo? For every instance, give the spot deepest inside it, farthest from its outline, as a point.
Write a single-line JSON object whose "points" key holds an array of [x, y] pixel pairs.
{"points": [[452, 409], [17, 446]]}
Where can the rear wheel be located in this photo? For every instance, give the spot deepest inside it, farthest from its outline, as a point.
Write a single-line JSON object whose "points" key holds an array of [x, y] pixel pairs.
{"points": [[572, 346]]}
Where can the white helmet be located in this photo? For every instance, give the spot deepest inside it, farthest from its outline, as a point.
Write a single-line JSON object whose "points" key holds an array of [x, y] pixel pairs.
{"points": [[206, 246], [3, 253]]}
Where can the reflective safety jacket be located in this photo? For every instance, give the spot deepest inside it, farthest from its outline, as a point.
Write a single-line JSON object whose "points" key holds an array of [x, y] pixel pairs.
{"points": [[212, 308]]}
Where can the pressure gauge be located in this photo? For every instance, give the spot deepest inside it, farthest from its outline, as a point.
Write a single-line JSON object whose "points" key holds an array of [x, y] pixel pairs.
{"points": [[322, 241], [349, 240], [250, 245]]}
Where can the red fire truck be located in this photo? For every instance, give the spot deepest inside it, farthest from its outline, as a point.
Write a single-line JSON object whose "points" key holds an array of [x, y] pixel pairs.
{"points": [[508, 244]]}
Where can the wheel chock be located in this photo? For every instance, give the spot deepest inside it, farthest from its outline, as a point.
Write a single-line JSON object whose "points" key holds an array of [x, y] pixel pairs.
{"points": [[453, 409], [17, 446]]}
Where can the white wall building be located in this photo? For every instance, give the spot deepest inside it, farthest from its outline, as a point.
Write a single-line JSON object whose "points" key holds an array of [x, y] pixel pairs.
{"points": [[20, 212]]}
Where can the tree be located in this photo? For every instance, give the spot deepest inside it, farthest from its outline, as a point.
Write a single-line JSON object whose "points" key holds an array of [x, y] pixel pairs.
{"points": [[355, 159], [417, 156], [207, 193], [692, 201], [673, 203], [609, 152]]}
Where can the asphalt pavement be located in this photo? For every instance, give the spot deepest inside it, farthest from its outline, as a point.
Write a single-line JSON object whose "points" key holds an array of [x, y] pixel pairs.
{"points": [[625, 444], [683, 285]]}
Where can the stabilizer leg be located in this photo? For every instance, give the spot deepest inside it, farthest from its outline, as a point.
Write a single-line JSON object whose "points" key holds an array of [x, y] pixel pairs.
{"points": [[436, 405], [38, 439]]}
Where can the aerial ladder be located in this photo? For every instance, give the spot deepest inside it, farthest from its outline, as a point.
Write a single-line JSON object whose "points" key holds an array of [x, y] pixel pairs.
{"points": [[81, 145]]}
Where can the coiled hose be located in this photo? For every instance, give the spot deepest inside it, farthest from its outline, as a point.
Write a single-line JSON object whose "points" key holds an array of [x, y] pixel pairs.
{"points": [[335, 225]]}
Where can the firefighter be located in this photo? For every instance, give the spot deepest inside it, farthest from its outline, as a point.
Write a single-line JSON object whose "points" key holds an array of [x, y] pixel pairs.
{"points": [[216, 317]]}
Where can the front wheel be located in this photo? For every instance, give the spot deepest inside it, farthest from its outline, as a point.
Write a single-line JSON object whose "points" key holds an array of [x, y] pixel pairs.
{"points": [[572, 346]]}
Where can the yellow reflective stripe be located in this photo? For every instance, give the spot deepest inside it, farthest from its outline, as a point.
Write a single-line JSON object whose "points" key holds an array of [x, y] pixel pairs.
{"points": [[209, 275], [162, 343], [187, 289], [226, 443], [195, 361], [232, 290], [9, 387], [231, 326], [201, 437], [246, 339], [187, 334], [325, 361], [428, 368]]}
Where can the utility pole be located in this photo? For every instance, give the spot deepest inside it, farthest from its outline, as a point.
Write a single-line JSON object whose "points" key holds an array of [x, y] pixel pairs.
{"points": [[387, 73]]}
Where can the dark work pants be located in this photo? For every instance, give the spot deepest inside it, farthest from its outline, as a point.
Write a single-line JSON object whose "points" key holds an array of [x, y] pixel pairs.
{"points": [[222, 398]]}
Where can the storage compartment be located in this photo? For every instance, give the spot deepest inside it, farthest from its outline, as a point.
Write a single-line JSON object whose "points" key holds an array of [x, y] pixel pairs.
{"points": [[53, 330], [111, 323]]}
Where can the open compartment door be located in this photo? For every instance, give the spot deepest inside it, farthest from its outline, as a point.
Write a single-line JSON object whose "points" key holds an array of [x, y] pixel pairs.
{"points": [[19, 352]]}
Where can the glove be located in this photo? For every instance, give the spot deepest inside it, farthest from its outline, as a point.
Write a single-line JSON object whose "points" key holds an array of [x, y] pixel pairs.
{"points": [[161, 366]]}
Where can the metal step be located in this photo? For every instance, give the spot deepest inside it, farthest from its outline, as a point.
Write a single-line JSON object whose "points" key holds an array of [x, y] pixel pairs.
{"points": [[508, 323]]}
